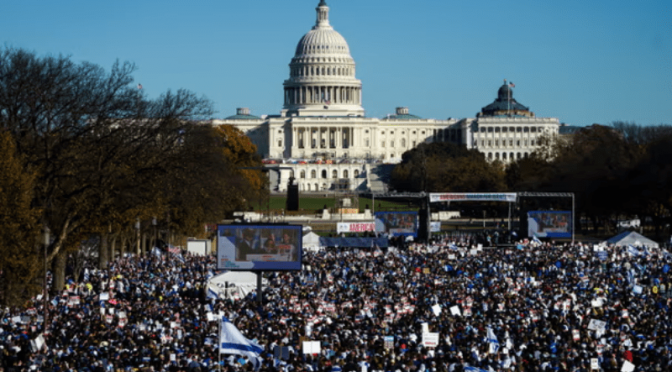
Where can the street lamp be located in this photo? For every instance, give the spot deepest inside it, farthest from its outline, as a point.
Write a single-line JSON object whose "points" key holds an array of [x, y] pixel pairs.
{"points": [[46, 289], [137, 229]]}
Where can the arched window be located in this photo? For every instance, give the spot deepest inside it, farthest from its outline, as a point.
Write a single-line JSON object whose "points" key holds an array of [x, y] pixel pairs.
{"points": [[497, 155], [503, 156], [324, 173], [356, 173], [317, 187], [313, 174], [511, 156], [403, 142], [345, 174], [489, 156], [308, 187], [518, 156], [334, 174], [303, 174]]}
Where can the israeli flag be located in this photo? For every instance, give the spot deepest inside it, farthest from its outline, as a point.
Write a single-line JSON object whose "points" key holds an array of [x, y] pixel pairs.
{"points": [[453, 247], [492, 341], [474, 369], [231, 341], [633, 251], [536, 240]]}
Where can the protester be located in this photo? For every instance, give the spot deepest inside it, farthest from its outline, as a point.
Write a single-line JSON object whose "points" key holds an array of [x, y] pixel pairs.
{"points": [[534, 307]]}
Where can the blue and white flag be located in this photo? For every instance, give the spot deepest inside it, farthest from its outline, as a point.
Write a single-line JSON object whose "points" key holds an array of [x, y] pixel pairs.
{"points": [[474, 369], [536, 240], [453, 247], [156, 252], [492, 341], [231, 341], [633, 251]]}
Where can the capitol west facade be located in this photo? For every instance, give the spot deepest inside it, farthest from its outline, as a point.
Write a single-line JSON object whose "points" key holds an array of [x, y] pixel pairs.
{"points": [[326, 142]]}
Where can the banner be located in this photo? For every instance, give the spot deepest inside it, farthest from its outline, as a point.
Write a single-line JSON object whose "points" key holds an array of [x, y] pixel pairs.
{"points": [[435, 226], [461, 196], [353, 227]]}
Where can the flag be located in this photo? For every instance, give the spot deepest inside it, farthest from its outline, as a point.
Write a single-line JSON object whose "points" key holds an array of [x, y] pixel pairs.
{"points": [[139, 86], [231, 341], [633, 251], [512, 85], [473, 369], [174, 250], [536, 240], [492, 341]]}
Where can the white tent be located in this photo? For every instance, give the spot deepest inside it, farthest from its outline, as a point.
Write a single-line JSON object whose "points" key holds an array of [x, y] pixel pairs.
{"points": [[234, 284], [311, 242], [631, 238]]}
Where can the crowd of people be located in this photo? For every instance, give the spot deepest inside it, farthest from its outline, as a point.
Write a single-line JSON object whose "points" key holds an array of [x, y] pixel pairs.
{"points": [[444, 307]]}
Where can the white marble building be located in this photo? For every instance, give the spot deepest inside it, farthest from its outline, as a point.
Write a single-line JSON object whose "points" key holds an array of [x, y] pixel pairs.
{"points": [[324, 140]]}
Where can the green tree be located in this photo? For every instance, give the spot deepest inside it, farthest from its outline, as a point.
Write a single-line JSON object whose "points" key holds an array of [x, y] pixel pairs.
{"points": [[440, 167]]}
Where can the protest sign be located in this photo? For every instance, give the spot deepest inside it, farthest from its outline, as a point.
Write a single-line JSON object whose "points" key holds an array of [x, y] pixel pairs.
{"points": [[430, 339]]}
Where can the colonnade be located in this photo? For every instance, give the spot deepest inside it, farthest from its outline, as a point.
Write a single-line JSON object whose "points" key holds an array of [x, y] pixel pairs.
{"points": [[323, 137], [323, 95]]}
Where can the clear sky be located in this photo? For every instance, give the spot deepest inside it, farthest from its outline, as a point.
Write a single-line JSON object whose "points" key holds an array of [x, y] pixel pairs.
{"points": [[582, 61]]}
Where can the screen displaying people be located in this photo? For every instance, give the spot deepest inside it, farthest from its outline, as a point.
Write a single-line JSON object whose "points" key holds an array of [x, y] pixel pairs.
{"points": [[266, 244]]}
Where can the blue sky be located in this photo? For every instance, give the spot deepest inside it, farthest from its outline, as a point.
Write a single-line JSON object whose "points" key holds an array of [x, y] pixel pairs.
{"points": [[582, 61]]}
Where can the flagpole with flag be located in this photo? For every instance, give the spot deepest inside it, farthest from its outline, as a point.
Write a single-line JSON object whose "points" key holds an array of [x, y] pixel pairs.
{"points": [[231, 341]]}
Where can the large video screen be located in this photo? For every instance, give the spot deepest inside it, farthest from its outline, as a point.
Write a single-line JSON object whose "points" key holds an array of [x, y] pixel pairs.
{"points": [[259, 247], [549, 224], [397, 223]]}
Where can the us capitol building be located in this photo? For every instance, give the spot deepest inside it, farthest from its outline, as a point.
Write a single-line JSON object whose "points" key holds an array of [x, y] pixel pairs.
{"points": [[323, 139]]}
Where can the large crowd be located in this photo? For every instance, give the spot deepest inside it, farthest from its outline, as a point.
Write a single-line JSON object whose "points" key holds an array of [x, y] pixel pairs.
{"points": [[529, 307]]}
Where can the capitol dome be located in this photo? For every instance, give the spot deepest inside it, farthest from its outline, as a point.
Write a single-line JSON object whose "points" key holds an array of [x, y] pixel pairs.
{"points": [[322, 74]]}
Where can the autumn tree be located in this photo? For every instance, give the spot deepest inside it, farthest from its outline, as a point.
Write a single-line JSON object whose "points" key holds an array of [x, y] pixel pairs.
{"points": [[20, 260], [92, 137]]}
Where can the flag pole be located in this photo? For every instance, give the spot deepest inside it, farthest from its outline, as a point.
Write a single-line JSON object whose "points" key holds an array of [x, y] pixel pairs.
{"points": [[219, 346]]}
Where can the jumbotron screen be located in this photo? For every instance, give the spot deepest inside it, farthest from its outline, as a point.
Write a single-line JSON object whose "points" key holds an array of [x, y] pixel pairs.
{"points": [[549, 224], [397, 223], [259, 247]]}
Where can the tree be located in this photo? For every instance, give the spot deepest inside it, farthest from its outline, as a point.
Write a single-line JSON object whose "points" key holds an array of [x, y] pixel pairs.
{"points": [[20, 260], [440, 167], [93, 139]]}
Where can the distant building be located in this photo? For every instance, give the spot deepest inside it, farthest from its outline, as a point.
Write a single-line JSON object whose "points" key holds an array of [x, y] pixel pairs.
{"points": [[325, 140]]}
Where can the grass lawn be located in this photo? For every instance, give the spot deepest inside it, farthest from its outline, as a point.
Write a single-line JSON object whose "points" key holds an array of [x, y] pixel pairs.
{"points": [[313, 203]]}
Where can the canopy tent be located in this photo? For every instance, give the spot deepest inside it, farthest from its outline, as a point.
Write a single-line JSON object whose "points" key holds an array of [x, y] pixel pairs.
{"points": [[311, 242], [234, 284], [631, 238], [354, 242]]}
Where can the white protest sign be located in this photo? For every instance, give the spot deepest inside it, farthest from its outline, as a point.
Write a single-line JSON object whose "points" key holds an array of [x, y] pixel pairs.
{"points": [[311, 347], [594, 364], [455, 310], [430, 339], [104, 296], [436, 309], [627, 367], [597, 325], [425, 327], [637, 289]]}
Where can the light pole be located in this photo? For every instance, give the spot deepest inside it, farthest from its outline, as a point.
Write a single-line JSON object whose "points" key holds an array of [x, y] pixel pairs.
{"points": [[156, 237], [137, 230], [46, 288]]}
